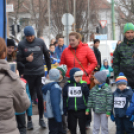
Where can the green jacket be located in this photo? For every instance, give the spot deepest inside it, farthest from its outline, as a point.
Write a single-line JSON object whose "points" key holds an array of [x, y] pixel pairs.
{"points": [[101, 100], [124, 61]]}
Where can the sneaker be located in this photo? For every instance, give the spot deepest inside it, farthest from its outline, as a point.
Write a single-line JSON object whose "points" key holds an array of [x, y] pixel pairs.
{"points": [[29, 125], [42, 123]]}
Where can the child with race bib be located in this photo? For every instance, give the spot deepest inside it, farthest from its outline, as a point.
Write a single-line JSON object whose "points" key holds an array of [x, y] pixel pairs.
{"points": [[107, 68], [123, 106], [101, 100], [53, 102], [75, 95]]}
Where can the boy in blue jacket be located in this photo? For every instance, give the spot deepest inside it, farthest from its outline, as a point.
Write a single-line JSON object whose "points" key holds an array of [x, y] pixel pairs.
{"points": [[75, 96], [123, 106], [53, 102], [108, 69], [53, 54]]}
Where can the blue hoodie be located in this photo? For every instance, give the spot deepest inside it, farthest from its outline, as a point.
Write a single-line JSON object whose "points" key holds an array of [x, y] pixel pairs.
{"points": [[59, 50], [54, 103]]}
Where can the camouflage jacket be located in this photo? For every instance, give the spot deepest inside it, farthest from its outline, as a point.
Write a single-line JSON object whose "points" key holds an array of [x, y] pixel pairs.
{"points": [[101, 100], [124, 61]]}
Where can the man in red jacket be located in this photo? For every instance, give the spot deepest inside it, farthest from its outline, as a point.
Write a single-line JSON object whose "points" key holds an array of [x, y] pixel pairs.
{"points": [[81, 56]]}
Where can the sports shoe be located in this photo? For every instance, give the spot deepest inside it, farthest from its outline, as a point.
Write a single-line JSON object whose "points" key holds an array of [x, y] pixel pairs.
{"points": [[29, 125], [42, 123]]}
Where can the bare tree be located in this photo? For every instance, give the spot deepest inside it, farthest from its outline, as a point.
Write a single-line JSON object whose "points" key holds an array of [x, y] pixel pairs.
{"points": [[127, 8], [37, 9], [59, 8]]}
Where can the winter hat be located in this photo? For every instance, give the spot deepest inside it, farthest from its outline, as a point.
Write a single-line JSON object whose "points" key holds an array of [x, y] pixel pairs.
{"points": [[105, 60], [63, 69], [121, 79], [101, 76], [54, 74], [128, 27], [29, 31], [10, 42], [75, 72]]}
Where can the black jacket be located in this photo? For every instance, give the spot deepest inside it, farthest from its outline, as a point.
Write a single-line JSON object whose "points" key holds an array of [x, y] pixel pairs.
{"points": [[98, 56], [38, 48], [75, 99]]}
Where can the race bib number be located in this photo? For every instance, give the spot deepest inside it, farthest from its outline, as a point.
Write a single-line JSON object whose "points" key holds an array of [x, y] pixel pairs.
{"points": [[74, 92], [107, 71], [119, 102]]}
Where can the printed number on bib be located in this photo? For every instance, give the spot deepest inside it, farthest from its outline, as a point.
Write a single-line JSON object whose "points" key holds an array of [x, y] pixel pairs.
{"points": [[74, 92], [119, 102], [107, 71]]}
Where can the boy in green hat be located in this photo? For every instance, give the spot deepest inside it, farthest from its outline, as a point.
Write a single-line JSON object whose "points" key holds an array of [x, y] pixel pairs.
{"points": [[63, 80], [124, 55]]}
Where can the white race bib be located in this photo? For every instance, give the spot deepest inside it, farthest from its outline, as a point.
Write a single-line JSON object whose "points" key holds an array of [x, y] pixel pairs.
{"points": [[74, 92], [119, 102], [107, 71]]}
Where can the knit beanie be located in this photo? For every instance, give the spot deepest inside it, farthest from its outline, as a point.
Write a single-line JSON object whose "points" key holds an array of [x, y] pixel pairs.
{"points": [[29, 31], [121, 79], [63, 69], [128, 27], [101, 76], [10, 42], [54, 74], [105, 60]]}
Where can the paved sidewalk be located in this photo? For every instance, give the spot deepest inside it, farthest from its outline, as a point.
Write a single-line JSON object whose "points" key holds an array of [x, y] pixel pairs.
{"points": [[38, 130]]}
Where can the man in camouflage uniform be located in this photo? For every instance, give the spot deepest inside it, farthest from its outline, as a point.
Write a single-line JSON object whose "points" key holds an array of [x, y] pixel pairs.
{"points": [[124, 55]]}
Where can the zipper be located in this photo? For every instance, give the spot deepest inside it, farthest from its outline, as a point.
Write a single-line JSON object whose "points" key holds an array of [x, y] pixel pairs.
{"points": [[75, 100], [74, 58]]}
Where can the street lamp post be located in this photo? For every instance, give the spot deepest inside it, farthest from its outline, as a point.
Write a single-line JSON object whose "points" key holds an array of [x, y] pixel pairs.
{"points": [[113, 20], [88, 20]]}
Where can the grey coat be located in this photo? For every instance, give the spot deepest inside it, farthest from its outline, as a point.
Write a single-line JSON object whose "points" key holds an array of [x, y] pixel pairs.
{"points": [[13, 98]]}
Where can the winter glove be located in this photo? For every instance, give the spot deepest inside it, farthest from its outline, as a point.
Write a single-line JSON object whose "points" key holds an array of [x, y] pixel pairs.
{"points": [[112, 117], [132, 118]]}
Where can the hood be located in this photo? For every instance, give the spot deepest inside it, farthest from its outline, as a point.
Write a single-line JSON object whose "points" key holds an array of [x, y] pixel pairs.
{"points": [[48, 84], [75, 72], [4, 67]]}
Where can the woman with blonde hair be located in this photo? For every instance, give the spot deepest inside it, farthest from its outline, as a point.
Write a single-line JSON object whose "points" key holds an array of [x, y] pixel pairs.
{"points": [[13, 95]]}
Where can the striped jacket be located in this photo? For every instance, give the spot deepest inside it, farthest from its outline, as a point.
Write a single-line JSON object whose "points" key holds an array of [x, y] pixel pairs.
{"points": [[100, 99]]}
